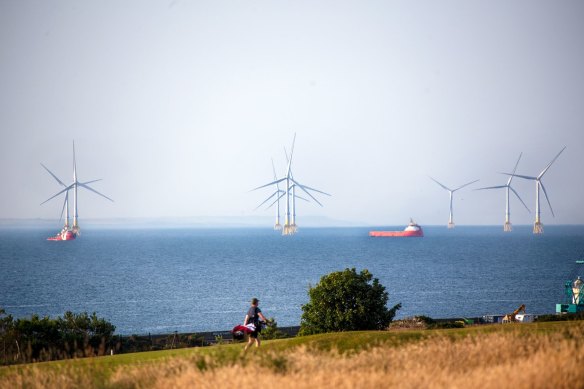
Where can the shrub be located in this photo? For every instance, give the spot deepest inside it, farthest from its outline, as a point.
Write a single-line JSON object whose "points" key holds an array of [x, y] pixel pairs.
{"points": [[562, 317], [346, 301], [41, 339], [272, 331]]}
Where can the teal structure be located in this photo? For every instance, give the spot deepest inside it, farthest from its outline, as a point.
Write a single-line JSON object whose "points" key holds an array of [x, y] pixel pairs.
{"points": [[574, 292]]}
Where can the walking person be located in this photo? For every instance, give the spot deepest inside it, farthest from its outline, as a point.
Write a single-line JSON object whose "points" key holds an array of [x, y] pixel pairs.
{"points": [[254, 314]]}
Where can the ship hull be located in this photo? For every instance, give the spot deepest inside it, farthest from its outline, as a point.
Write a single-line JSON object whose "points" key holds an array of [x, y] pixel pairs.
{"points": [[397, 234], [69, 235]]}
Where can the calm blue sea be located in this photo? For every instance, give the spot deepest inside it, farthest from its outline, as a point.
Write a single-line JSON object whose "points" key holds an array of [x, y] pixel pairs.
{"points": [[184, 280]]}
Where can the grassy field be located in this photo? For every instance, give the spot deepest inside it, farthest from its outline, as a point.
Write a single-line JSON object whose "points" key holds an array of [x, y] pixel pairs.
{"points": [[516, 355]]}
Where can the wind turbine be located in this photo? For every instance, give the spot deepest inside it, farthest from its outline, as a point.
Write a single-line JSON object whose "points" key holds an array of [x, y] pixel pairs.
{"points": [[537, 225], [291, 184], [73, 186], [277, 226], [278, 193], [451, 191], [507, 226]]}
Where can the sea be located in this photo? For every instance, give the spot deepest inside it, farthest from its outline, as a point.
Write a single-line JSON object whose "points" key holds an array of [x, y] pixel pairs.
{"points": [[194, 279]]}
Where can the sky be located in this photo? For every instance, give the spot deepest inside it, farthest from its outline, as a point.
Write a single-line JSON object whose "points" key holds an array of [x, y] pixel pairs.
{"points": [[179, 106]]}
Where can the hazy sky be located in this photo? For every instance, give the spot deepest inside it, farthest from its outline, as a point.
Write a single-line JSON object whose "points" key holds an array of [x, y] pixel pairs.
{"points": [[180, 105]]}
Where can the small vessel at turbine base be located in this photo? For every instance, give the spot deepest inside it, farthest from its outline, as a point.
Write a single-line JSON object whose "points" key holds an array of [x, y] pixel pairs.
{"points": [[413, 230], [65, 234]]}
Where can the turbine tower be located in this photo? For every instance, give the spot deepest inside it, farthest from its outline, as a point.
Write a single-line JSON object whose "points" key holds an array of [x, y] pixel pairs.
{"points": [[73, 186], [507, 226], [537, 225], [451, 191]]}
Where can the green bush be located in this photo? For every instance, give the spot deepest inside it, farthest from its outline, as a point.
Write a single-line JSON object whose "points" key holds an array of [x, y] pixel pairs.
{"points": [[441, 325], [272, 331], [346, 301], [562, 317], [41, 339]]}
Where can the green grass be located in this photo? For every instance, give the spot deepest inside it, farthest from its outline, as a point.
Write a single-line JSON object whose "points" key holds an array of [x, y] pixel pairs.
{"points": [[344, 342]]}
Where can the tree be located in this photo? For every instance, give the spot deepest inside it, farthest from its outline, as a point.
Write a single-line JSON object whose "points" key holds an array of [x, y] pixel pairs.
{"points": [[7, 338], [346, 301]]}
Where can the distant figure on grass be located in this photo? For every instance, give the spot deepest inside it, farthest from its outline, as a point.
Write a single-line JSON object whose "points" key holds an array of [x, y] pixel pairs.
{"points": [[254, 314]]}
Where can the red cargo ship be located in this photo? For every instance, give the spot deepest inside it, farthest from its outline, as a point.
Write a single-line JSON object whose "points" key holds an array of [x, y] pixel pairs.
{"points": [[412, 230]]}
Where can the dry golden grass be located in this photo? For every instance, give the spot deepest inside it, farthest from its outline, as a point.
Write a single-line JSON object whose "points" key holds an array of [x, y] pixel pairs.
{"points": [[506, 359]]}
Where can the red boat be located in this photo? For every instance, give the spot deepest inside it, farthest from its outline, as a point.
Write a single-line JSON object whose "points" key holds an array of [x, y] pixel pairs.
{"points": [[65, 234], [412, 230]]}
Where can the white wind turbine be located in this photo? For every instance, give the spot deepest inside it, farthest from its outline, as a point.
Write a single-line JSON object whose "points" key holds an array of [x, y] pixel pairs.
{"points": [[537, 225], [277, 226], [451, 191], [278, 194], [73, 186], [291, 184], [507, 226]]}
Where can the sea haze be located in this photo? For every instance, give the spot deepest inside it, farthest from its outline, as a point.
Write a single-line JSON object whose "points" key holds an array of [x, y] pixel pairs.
{"points": [[157, 281]]}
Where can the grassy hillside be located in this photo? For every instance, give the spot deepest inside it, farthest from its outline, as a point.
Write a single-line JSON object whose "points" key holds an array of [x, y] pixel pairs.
{"points": [[514, 355]]}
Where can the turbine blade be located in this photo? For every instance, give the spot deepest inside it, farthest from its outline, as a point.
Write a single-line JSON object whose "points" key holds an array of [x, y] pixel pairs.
{"points": [[52, 197], [546, 196], [64, 204], [268, 199], [94, 191], [467, 184], [274, 170], [74, 163], [275, 175], [302, 198], [550, 164], [54, 176], [91, 182], [271, 183], [308, 193], [275, 201], [309, 188], [492, 187], [520, 199], [520, 176], [288, 172], [448, 189], [514, 169]]}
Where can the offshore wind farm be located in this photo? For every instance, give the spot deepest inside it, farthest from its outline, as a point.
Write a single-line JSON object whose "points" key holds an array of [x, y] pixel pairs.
{"points": [[289, 193], [180, 107]]}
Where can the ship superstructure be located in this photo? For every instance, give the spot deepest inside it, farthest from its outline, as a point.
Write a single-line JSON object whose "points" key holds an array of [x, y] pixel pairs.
{"points": [[413, 230]]}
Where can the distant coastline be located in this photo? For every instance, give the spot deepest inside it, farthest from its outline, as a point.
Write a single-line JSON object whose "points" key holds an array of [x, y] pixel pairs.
{"points": [[262, 222]]}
